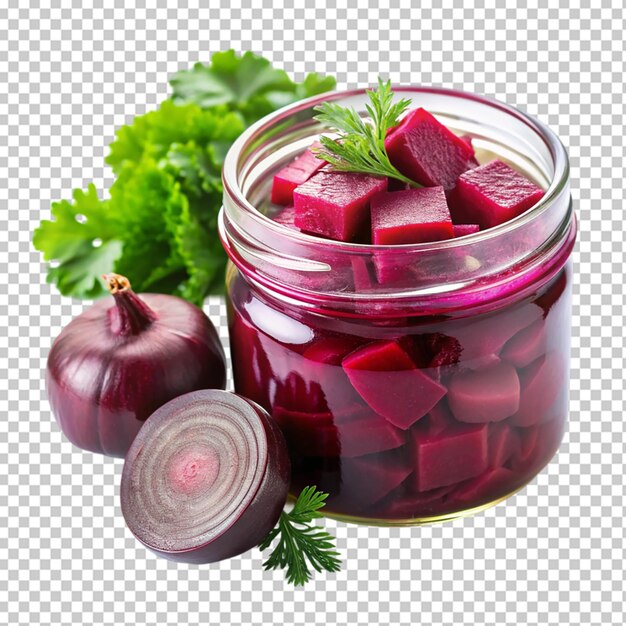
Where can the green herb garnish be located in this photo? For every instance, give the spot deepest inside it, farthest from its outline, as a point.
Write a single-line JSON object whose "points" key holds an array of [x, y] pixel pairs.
{"points": [[300, 541], [159, 223], [360, 146]]}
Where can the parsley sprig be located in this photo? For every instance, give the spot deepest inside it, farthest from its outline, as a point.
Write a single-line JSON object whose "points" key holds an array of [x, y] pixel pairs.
{"points": [[300, 543], [360, 145]]}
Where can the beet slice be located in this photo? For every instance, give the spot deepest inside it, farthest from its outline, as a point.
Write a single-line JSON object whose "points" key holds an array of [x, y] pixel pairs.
{"points": [[494, 483], [336, 204], [528, 442], [527, 346], [492, 194], [410, 216], [449, 456], [490, 394], [460, 230], [388, 380], [427, 152], [503, 444], [206, 478], [294, 174], [541, 383]]}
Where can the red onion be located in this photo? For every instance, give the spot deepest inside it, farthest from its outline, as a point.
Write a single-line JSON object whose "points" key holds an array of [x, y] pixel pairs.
{"points": [[115, 364], [206, 478]]}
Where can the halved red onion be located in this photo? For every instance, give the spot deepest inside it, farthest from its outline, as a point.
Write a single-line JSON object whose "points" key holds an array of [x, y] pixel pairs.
{"points": [[206, 477]]}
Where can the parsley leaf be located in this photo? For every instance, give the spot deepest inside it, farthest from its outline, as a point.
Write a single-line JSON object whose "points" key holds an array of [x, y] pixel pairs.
{"points": [[159, 226], [301, 544]]}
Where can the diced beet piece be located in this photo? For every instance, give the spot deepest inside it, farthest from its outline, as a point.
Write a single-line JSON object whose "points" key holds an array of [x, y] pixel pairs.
{"points": [[439, 418], [363, 279], [294, 174], [323, 369], [525, 347], [541, 383], [492, 194], [331, 349], [449, 456], [368, 435], [480, 362], [336, 204], [487, 395], [368, 479], [446, 350], [308, 434], [297, 393], [503, 443], [287, 217], [460, 230], [427, 152], [488, 335], [399, 505], [388, 380], [472, 161], [529, 439], [538, 445], [493, 484], [410, 216]]}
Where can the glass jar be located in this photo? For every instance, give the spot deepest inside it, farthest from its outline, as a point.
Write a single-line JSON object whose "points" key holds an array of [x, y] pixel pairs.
{"points": [[414, 383]]}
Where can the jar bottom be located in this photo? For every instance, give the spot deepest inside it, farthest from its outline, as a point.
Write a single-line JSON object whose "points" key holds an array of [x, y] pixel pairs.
{"points": [[431, 519]]}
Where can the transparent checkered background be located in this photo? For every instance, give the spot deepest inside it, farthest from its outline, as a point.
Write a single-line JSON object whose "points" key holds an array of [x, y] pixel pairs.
{"points": [[69, 76]]}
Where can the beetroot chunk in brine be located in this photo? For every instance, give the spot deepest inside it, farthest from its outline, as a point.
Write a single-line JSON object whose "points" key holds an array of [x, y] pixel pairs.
{"points": [[449, 456], [410, 216], [490, 394], [492, 194], [388, 380], [427, 152], [336, 204], [294, 174], [460, 230], [287, 217]]}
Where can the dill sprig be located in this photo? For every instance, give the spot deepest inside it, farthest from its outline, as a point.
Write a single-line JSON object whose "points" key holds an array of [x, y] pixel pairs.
{"points": [[300, 543], [360, 145]]}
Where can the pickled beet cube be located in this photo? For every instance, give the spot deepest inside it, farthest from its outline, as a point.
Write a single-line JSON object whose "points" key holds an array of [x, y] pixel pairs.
{"points": [[287, 217], [368, 479], [492, 484], [525, 347], [450, 456], [503, 444], [388, 380], [427, 152], [296, 392], [410, 216], [541, 383], [336, 204], [492, 194], [486, 395], [400, 505], [294, 174], [488, 335], [460, 230], [367, 435]]}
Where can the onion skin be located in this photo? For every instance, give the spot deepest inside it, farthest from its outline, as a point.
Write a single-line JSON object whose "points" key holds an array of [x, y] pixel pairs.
{"points": [[116, 363], [250, 523]]}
